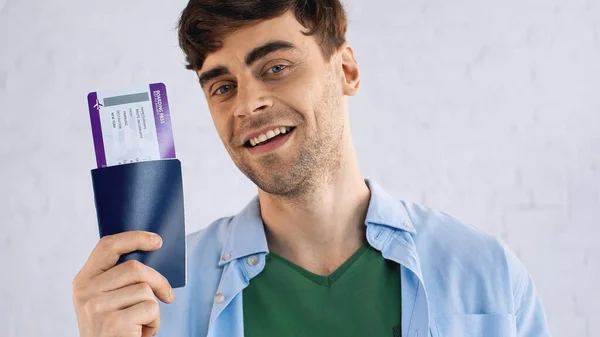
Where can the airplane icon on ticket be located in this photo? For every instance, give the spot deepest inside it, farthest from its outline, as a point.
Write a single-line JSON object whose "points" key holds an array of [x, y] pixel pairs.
{"points": [[98, 104]]}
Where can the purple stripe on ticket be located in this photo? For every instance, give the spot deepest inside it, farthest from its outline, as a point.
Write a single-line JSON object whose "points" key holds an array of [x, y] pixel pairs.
{"points": [[94, 108], [162, 118]]}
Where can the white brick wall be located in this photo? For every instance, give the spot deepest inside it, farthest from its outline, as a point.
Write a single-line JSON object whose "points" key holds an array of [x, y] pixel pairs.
{"points": [[489, 111]]}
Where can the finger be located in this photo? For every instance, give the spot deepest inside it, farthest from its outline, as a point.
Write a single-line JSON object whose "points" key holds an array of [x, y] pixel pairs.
{"points": [[123, 298], [130, 273], [146, 313], [148, 332], [108, 250]]}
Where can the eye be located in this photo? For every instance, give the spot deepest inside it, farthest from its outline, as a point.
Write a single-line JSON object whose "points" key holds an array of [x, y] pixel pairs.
{"points": [[223, 89], [277, 69]]}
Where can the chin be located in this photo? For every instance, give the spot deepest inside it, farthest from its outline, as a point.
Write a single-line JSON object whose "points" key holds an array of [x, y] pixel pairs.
{"points": [[283, 173], [282, 183]]}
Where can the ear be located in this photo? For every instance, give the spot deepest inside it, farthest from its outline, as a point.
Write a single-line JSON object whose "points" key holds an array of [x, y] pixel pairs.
{"points": [[350, 71]]}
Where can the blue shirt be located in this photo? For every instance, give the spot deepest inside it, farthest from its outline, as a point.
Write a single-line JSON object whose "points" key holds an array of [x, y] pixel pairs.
{"points": [[455, 279]]}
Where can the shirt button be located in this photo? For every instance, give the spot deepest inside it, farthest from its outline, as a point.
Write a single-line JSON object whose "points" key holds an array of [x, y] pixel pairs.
{"points": [[252, 261], [407, 225], [219, 298], [226, 257]]}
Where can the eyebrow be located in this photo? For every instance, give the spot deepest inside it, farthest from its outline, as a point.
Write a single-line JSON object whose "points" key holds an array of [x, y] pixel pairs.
{"points": [[253, 56], [266, 49], [213, 73]]}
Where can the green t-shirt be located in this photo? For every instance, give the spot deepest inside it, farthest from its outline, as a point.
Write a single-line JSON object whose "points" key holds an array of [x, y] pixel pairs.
{"points": [[360, 299]]}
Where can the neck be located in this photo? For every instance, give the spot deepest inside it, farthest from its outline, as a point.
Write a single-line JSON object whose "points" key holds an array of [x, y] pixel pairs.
{"points": [[322, 228]]}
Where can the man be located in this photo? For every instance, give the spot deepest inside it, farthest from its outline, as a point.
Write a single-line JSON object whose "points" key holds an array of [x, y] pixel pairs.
{"points": [[320, 251]]}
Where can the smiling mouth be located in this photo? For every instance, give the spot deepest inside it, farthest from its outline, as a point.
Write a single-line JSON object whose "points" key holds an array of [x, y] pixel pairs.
{"points": [[268, 136]]}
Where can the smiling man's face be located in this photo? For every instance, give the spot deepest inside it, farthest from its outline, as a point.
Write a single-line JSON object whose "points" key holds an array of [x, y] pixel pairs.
{"points": [[278, 104]]}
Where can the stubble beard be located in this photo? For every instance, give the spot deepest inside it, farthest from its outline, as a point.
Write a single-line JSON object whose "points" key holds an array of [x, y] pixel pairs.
{"points": [[316, 162], [298, 176]]}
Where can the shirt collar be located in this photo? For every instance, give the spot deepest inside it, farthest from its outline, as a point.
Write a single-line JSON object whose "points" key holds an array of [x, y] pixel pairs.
{"points": [[386, 210], [247, 233]]}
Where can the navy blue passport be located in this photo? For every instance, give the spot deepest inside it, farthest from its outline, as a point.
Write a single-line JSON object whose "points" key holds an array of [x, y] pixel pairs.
{"points": [[145, 196]]}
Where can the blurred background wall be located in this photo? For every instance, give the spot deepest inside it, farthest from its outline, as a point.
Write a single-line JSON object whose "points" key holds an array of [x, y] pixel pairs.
{"points": [[487, 110]]}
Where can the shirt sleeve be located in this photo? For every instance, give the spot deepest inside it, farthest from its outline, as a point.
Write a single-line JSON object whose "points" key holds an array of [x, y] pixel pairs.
{"points": [[529, 312]]}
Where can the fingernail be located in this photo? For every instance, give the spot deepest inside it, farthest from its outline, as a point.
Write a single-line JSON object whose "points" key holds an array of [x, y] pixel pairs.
{"points": [[172, 295], [156, 239]]}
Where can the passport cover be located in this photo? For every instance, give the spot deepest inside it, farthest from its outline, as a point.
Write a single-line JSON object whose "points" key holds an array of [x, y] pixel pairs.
{"points": [[145, 196]]}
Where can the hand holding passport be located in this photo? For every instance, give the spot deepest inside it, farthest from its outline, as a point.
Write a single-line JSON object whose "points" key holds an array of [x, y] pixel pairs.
{"points": [[118, 300], [138, 193]]}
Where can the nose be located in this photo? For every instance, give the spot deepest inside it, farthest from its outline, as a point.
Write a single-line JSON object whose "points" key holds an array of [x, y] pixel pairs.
{"points": [[252, 99]]}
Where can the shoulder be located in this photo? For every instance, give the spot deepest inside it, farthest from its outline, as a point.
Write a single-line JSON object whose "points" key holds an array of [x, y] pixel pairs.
{"points": [[468, 271], [444, 234], [464, 264], [209, 240], [205, 247]]}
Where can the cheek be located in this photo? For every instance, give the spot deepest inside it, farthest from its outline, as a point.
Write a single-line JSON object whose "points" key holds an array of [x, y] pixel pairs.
{"points": [[329, 112], [222, 125], [301, 96]]}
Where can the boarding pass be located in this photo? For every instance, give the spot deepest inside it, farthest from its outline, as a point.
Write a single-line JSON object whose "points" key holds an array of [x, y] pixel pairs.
{"points": [[131, 125]]}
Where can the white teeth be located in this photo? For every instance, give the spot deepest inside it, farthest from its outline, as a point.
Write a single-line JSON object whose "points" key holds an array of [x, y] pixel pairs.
{"points": [[268, 135]]}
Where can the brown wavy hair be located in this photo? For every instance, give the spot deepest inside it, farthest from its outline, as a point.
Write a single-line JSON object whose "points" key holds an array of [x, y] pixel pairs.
{"points": [[204, 23]]}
